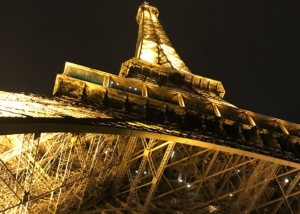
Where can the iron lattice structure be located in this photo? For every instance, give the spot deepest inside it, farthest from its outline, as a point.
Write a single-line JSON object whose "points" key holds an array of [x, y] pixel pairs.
{"points": [[153, 45], [155, 139]]}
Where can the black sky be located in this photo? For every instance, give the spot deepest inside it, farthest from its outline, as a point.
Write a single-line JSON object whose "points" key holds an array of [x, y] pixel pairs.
{"points": [[251, 46]]}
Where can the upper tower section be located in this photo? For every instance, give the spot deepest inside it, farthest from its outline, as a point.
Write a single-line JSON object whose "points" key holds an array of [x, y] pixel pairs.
{"points": [[153, 44], [157, 63]]}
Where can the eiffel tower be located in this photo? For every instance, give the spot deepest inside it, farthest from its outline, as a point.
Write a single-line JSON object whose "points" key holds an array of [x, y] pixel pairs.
{"points": [[155, 139]]}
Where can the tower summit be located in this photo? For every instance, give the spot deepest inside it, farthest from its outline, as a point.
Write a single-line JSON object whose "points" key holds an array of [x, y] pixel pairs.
{"points": [[154, 139], [153, 45]]}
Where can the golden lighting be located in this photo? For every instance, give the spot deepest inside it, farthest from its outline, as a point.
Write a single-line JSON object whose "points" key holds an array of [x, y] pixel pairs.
{"points": [[153, 44], [21, 105], [250, 119], [216, 110]]}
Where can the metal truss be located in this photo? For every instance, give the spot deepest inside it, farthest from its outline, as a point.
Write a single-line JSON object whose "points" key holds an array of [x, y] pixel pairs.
{"points": [[110, 173], [54, 172], [153, 44], [65, 156]]}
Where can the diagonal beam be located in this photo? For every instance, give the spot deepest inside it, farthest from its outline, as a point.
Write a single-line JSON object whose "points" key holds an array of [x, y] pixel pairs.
{"points": [[158, 175], [234, 163], [269, 175], [134, 183], [262, 174], [191, 156], [204, 176], [285, 195], [121, 171], [208, 177], [280, 199]]}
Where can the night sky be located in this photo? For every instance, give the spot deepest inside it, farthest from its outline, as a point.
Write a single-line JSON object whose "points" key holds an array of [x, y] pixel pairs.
{"points": [[252, 47]]}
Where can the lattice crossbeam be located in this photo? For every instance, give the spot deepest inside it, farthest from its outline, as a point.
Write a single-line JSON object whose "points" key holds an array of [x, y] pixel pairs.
{"points": [[71, 173]]}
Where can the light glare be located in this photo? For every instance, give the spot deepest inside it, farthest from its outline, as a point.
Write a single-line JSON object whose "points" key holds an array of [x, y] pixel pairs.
{"points": [[172, 154]]}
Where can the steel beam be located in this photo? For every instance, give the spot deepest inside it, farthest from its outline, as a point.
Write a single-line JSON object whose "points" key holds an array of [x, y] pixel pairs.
{"points": [[121, 171], [134, 184], [157, 176], [287, 193], [19, 125]]}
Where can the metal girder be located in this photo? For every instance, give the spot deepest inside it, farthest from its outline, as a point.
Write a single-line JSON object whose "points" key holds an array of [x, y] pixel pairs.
{"points": [[204, 176], [121, 171], [134, 184], [55, 168], [208, 177], [188, 157], [234, 164], [263, 173], [287, 193], [229, 169], [10, 182], [21, 125], [74, 160], [157, 176], [109, 210], [88, 162]]}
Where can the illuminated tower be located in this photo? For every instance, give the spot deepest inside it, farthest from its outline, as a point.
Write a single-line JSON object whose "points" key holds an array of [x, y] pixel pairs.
{"points": [[155, 139]]}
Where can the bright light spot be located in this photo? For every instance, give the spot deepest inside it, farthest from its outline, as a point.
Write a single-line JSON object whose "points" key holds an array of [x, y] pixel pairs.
{"points": [[238, 170], [286, 180], [212, 208], [105, 152], [117, 83], [188, 185], [145, 172], [129, 87], [180, 180], [136, 171], [112, 82], [230, 195], [172, 154], [135, 88]]}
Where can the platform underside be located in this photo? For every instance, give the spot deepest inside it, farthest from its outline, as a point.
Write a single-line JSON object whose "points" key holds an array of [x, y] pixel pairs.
{"points": [[71, 163]]}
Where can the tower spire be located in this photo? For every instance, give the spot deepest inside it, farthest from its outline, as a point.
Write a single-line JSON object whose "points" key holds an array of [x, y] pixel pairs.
{"points": [[153, 44]]}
